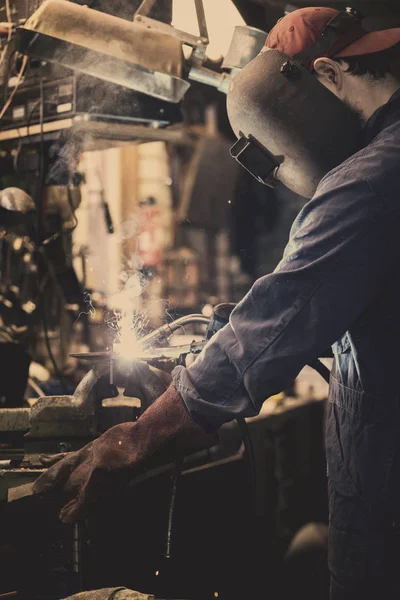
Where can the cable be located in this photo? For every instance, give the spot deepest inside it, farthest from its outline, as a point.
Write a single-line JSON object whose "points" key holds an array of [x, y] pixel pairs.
{"points": [[28, 120], [318, 366], [64, 231], [48, 345], [171, 508], [11, 96], [41, 164], [248, 444], [39, 238], [15, 163], [56, 368], [10, 23], [6, 74]]}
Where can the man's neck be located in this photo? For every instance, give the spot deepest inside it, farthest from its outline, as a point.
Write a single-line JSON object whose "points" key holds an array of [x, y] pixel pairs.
{"points": [[375, 95]]}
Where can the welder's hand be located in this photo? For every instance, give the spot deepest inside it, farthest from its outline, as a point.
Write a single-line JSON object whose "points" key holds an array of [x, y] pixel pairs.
{"points": [[219, 318], [163, 432], [48, 460], [67, 475]]}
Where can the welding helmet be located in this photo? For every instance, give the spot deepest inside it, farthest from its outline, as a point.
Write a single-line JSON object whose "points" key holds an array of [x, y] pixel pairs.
{"points": [[290, 128]]}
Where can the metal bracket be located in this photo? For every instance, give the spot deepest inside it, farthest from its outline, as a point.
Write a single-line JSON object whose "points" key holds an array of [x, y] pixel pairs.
{"points": [[198, 43]]}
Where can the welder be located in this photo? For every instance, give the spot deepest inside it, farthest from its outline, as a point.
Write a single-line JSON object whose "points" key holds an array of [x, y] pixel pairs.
{"points": [[338, 285]]}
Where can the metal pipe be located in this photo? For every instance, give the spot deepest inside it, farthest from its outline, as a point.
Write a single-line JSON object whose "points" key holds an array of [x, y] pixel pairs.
{"points": [[165, 331], [76, 556], [201, 20], [221, 81]]}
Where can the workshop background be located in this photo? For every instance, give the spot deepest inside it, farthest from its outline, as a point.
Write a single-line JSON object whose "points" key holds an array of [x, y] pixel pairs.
{"points": [[122, 210]]}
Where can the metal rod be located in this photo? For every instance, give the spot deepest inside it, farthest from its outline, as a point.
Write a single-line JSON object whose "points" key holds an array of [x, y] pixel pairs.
{"points": [[221, 81], [75, 548], [145, 7], [111, 370], [201, 19], [76, 556]]}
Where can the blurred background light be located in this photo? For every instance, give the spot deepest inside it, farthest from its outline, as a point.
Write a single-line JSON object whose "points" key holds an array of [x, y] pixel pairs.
{"points": [[217, 13]]}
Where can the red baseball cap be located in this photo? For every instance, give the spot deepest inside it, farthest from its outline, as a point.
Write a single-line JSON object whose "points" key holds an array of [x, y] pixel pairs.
{"points": [[301, 28]]}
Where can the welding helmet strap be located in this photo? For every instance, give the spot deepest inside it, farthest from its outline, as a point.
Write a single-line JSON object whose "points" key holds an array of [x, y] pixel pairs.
{"points": [[341, 31]]}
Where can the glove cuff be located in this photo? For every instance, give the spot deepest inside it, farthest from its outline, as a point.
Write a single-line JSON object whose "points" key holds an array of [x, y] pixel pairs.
{"points": [[173, 422]]}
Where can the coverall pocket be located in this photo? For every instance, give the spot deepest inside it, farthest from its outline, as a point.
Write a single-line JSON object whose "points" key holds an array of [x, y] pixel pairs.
{"points": [[361, 437], [361, 442], [341, 428], [348, 510]]}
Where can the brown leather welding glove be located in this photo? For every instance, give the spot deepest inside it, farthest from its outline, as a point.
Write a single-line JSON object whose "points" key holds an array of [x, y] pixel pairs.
{"points": [[164, 432]]}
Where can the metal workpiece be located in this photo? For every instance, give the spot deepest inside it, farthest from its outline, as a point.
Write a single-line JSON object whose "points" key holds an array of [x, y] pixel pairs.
{"points": [[153, 355], [58, 416], [14, 420], [82, 414], [59, 424]]}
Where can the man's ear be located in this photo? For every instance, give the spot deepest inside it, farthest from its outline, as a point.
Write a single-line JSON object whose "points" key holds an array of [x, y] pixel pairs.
{"points": [[330, 74]]}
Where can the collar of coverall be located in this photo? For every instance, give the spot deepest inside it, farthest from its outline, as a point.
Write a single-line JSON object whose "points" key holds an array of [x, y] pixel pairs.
{"points": [[382, 118]]}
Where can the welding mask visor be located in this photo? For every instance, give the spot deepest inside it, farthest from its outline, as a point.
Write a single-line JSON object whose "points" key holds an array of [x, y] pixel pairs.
{"points": [[290, 128]]}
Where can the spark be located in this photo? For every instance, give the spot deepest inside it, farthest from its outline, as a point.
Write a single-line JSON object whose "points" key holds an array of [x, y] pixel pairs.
{"points": [[87, 298], [127, 321], [129, 331]]}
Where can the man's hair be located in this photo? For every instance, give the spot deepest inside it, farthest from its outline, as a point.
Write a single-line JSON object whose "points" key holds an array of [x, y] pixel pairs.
{"points": [[375, 66]]}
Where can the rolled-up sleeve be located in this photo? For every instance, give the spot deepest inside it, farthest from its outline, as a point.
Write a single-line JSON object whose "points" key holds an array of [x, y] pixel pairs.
{"points": [[342, 246]]}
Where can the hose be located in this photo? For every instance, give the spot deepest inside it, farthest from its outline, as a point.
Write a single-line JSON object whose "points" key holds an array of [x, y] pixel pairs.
{"points": [[171, 509], [249, 448], [165, 331]]}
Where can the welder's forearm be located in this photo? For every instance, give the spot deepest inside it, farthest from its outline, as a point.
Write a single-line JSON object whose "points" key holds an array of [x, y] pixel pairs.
{"points": [[211, 387], [257, 355]]}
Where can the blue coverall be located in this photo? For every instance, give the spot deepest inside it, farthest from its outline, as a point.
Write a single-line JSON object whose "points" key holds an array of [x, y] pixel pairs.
{"points": [[338, 284]]}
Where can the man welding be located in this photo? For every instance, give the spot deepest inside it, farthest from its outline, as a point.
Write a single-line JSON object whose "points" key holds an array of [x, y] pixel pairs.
{"points": [[338, 285]]}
